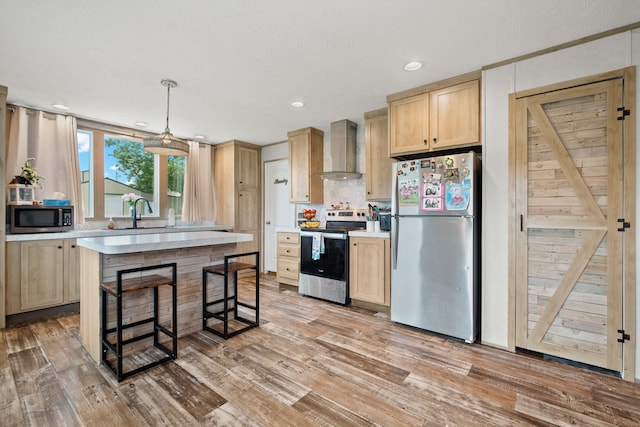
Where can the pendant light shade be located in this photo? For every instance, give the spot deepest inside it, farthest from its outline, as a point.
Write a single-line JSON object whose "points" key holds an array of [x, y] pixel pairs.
{"points": [[166, 144]]}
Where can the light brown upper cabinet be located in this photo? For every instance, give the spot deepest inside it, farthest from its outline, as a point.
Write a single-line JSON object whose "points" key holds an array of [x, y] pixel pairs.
{"points": [[435, 117], [378, 174], [305, 162]]}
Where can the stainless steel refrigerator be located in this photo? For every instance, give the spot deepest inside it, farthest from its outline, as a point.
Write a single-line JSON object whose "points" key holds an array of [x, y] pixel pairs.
{"points": [[434, 242]]}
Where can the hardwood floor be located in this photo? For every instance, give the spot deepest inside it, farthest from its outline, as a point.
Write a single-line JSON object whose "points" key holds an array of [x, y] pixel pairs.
{"points": [[309, 363]]}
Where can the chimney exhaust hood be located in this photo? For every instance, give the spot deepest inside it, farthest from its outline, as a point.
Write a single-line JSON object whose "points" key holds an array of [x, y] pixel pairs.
{"points": [[342, 152]]}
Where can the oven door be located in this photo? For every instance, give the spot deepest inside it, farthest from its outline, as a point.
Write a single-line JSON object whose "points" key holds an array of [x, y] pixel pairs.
{"points": [[333, 263]]}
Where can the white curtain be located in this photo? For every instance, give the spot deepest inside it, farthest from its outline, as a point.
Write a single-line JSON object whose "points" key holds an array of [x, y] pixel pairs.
{"points": [[199, 201], [51, 140]]}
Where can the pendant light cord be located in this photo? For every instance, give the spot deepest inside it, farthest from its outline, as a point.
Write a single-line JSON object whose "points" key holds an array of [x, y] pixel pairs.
{"points": [[169, 84], [168, 97]]}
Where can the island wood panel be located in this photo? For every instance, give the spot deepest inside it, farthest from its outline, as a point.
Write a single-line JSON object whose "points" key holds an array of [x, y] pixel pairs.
{"points": [[309, 363], [570, 287]]}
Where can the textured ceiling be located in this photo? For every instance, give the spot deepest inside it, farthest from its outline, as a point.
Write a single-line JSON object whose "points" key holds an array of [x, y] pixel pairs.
{"points": [[239, 64]]}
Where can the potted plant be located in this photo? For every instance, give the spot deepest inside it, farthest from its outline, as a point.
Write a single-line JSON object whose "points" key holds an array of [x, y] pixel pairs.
{"points": [[20, 189]]}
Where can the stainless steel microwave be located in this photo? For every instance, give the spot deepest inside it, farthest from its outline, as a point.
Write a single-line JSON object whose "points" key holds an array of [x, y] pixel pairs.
{"points": [[39, 219]]}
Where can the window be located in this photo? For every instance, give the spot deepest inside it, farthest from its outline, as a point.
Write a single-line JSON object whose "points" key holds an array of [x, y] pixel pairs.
{"points": [[112, 165], [176, 182], [128, 169], [85, 155]]}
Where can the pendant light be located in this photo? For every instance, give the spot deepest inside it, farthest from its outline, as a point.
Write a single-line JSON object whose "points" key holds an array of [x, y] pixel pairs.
{"points": [[166, 144]]}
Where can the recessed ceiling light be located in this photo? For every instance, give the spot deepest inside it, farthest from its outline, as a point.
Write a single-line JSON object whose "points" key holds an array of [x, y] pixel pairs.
{"points": [[413, 66], [60, 107], [297, 104], [198, 136], [142, 124]]}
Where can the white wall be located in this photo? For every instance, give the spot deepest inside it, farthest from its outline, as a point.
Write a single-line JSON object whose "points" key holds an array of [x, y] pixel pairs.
{"points": [[602, 55], [275, 152]]}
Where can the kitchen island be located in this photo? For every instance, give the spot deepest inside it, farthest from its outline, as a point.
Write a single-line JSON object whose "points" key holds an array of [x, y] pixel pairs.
{"points": [[102, 257]]}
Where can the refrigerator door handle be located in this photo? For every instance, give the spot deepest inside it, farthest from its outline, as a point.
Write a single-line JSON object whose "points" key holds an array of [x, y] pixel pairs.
{"points": [[395, 221], [394, 241]]}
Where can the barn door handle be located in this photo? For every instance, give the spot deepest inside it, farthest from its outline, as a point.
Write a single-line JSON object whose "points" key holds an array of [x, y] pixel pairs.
{"points": [[624, 223], [625, 337]]}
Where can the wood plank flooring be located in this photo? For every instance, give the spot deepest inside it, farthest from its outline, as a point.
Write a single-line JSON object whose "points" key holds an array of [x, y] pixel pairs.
{"points": [[310, 363]]}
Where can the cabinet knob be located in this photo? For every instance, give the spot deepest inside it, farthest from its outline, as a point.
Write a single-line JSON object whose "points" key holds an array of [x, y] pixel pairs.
{"points": [[435, 141], [288, 251], [59, 247], [73, 246], [355, 244], [425, 142]]}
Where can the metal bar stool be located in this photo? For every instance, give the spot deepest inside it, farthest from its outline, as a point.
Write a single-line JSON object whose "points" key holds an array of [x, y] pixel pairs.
{"points": [[229, 301], [124, 286]]}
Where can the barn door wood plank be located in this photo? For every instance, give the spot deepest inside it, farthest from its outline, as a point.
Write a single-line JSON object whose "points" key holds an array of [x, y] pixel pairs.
{"points": [[566, 285], [566, 163]]}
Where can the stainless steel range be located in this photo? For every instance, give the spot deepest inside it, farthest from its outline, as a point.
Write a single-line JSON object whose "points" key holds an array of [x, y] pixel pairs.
{"points": [[324, 256]]}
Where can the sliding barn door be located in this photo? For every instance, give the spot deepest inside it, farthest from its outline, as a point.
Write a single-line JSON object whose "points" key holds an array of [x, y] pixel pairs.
{"points": [[569, 187]]}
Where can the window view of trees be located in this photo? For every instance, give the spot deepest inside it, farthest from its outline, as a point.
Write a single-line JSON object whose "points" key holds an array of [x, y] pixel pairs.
{"points": [[134, 166], [127, 168]]}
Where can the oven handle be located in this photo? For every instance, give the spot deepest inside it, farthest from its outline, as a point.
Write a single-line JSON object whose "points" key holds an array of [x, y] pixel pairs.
{"points": [[338, 236]]}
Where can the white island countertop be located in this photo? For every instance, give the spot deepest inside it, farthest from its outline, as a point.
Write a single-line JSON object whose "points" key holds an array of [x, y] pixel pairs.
{"points": [[160, 241], [80, 233]]}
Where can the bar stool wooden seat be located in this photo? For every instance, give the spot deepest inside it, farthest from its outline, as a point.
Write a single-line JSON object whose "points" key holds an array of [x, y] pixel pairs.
{"points": [[126, 286], [227, 300]]}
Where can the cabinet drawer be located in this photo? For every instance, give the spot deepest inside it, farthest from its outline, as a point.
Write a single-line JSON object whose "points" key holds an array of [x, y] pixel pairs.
{"points": [[288, 268], [289, 250], [286, 237]]}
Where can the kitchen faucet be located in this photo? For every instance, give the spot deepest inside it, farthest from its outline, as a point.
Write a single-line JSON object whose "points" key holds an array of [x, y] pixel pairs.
{"points": [[135, 214]]}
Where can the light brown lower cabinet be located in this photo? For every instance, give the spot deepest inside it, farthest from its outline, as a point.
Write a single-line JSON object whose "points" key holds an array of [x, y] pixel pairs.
{"points": [[41, 274], [288, 258], [370, 270]]}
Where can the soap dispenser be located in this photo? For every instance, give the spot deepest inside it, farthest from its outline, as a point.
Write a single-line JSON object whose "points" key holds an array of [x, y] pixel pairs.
{"points": [[110, 224], [171, 218]]}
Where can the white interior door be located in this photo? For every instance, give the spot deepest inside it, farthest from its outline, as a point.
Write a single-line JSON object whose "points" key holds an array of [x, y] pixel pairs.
{"points": [[278, 212]]}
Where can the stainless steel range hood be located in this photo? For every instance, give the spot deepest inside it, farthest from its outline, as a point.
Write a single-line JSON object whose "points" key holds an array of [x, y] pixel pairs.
{"points": [[342, 152]]}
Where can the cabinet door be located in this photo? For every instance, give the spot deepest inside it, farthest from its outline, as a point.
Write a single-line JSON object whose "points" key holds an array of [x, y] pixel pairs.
{"points": [[299, 168], [71, 271], [378, 176], [248, 222], [248, 168], [41, 275], [409, 125], [248, 211], [455, 116], [369, 269]]}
